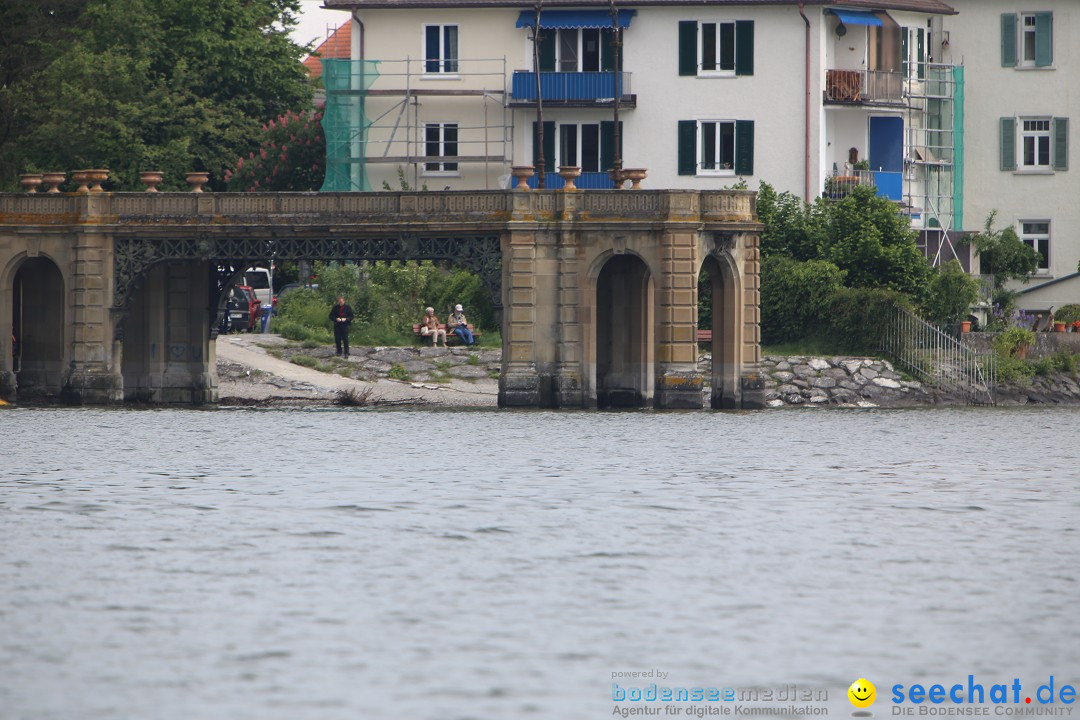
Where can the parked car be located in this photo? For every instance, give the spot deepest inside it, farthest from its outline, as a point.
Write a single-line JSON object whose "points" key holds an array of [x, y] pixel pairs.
{"points": [[258, 279], [237, 314]]}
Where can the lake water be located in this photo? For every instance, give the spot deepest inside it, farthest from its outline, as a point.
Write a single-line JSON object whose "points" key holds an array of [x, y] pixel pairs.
{"points": [[482, 564]]}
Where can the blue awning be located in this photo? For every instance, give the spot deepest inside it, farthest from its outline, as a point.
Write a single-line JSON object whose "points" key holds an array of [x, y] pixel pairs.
{"points": [[857, 17], [558, 19]]}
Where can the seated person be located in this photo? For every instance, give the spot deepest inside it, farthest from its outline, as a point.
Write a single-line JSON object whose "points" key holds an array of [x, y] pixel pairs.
{"points": [[430, 326], [460, 326]]}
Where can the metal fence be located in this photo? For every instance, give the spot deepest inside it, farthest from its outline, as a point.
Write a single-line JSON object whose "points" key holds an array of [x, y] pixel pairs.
{"points": [[939, 359]]}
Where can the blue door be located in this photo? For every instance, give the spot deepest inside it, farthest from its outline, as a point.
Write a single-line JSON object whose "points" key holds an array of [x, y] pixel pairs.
{"points": [[887, 155]]}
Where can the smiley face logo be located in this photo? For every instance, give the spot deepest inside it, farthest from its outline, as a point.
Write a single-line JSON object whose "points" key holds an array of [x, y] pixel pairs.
{"points": [[862, 693]]}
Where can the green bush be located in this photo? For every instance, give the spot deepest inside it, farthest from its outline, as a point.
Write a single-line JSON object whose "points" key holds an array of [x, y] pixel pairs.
{"points": [[398, 372], [1009, 341], [951, 294], [1067, 314], [304, 361], [857, 316], [1013, 369], [795, 297]]}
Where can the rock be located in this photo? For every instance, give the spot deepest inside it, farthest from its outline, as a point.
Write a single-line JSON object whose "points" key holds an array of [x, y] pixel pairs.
{"points": [[775, 402], [865, 404], [783, 365], [782, 376], [799, 382], [418, 367], [851, 366], [849, 385], [393, 355], [434, 352], [804, 371], [819, 363], [835, 372], [374, 367], [823, 382], [794, 399], [886, 383], [868, 373], [469, 371], [817, 399], [912, 384], [788, 390], [890, 375]]}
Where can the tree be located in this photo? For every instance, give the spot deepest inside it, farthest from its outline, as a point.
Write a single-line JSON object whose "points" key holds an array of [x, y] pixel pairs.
{"points": [[1005, 256], [785, 217], [291, 156], [951, 294], [171, 85]]}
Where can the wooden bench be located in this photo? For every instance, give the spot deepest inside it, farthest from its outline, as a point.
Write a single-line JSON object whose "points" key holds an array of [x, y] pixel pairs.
{"points": [[704, 337], [451, 337]]}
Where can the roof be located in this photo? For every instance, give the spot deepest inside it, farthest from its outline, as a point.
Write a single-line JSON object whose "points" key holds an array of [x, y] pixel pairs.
{"points": [[935, 7], [338, 45]]}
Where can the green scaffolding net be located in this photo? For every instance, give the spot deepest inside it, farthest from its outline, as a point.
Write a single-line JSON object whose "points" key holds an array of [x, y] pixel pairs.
{"points": [[345, 123]]}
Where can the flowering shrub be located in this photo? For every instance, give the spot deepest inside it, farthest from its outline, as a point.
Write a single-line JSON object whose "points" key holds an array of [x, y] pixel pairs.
{"points": [[291, 156]]}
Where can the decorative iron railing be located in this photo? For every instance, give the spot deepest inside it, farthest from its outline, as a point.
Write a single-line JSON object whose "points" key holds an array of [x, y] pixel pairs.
{"points": [[939, 359]]}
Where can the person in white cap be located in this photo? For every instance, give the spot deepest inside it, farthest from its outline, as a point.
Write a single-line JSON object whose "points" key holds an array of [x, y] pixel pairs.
{"points": [[430, 326], [460, 326]]}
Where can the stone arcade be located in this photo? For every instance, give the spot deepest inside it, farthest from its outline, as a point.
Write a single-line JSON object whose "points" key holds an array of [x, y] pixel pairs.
{"points": [[106, 297]]}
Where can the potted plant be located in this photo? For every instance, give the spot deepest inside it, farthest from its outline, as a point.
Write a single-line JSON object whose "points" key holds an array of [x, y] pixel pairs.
{"points": [[1014, 342]]}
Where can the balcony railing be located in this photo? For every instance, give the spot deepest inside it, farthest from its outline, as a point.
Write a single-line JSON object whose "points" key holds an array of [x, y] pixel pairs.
{"points": [[571, 87], [864, 86], [887, 184], [587, 181]]}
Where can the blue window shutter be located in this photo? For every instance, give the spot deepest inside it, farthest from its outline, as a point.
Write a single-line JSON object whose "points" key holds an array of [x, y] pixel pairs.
{"points": [[1061, 143], [1008, 143], [687, 147], [688, 47], [1008, 40], [1044, 39], [744, 147], [744, 47]]}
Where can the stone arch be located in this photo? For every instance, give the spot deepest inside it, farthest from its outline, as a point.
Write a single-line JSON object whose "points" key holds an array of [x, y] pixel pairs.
{"points": [[621, 338], [726, 328], [36, 330]]}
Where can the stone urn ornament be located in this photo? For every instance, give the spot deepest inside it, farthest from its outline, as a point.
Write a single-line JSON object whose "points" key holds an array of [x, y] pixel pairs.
{"points": [[97, 177], [618, 178], [522, 173], [83, 178], [635, 176], [54, 180], [569, 173], [197, 179], [151, 179], [30, 181]]}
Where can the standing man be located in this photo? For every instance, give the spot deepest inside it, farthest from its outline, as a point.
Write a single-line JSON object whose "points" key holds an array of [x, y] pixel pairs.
{"points": [[460, 326], [341, 316]]}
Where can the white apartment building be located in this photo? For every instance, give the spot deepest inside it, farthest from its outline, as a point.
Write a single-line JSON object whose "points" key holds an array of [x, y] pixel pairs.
{"points": [[811, 97], [1022, 61]]}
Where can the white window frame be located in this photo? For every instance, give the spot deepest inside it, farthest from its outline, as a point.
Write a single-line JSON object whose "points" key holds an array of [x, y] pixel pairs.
{"points": [[443, 60], [441, 169], [578, 125], [1036, 135], [1034, 239], [716, 72], [579, 66], [1025, 32], [702, 171]]}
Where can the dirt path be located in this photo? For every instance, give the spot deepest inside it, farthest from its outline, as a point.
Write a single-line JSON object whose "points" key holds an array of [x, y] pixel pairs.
{"points": [[247, 372]]}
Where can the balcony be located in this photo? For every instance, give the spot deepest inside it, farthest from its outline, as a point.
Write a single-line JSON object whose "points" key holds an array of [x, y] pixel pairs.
{"points": [[571, 89], [886, 184], [587, 181], [876, 87]]}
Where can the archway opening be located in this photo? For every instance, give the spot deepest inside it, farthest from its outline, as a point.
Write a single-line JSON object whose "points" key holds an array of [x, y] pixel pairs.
{"points": [[716, 310], [38, 327], [622, 333]]}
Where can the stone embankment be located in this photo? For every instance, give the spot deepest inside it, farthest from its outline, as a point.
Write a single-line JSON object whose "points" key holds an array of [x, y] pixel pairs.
{"points": [[840, 381]]}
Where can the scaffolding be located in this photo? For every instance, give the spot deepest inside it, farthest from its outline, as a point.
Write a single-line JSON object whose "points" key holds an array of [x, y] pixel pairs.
{"points": [[933, 166], [389, 123]]}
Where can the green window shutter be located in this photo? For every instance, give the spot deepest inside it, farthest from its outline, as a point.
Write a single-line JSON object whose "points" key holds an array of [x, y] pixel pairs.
{"points": [[1061, 143], [607, 144], [903, 51], [1044, 39], [744, 47], [1008, 143], [687, 147], [688, 47], [920, 54], [549, 146], [547, 50], [744, 147], [1008, 40], [607, 51]]}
